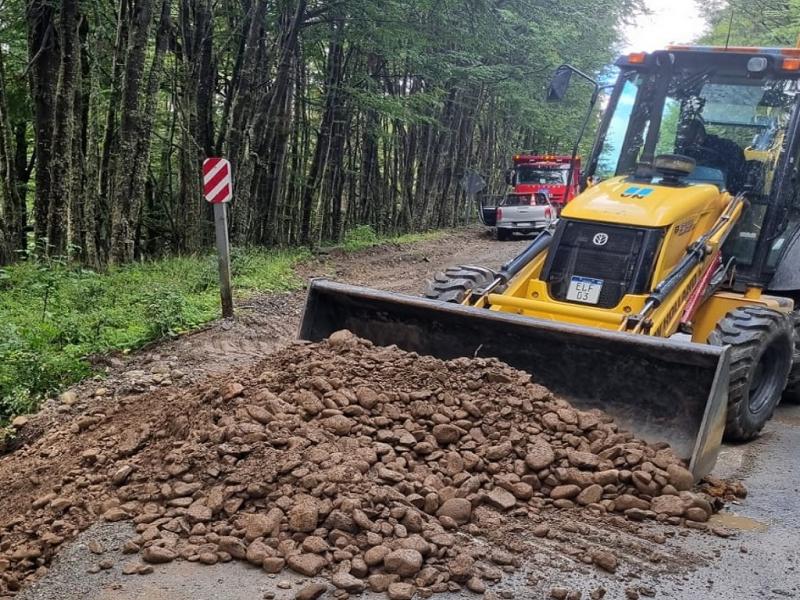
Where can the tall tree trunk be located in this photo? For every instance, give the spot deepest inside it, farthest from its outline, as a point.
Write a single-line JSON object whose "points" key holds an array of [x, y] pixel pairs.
{"points": [[122, 226], [43, 52], [76, 239], [238, 138], [279, 125], [316, 172], [12, 204], [64, 128], [105, 170], [94, 128], [136, 175], [196, 131]]}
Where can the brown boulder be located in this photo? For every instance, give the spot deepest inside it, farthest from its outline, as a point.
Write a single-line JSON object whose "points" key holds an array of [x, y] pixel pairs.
{"points": [[158, 555], [697, 514], [306, 564], [608, 477], [447, 434], [198, 513], [260, 525], [375, 555], [605, 560], [401, 591], [461, 567], [583, 460], [405, 562], [257, 551], [311, 592], [233, 546], [590, 495], [500, 498], [458, 509], [540, 455], [682, 479], [273, 564], [564, 492], [339, 424], [367, 397], [380, 582], [668, 505], [499, 452], [626, 501], [345, 581], [304, 515]]}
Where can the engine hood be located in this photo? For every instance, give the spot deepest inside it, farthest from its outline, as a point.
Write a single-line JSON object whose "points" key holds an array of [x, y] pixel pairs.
{"points": [[620, 200]]}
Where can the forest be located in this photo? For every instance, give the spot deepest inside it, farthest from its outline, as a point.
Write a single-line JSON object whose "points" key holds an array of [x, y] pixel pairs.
{"points": [[334, 114]]}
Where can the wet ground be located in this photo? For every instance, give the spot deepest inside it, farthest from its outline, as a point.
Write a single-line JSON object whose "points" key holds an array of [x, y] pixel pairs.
{"points": [[760, 560]]}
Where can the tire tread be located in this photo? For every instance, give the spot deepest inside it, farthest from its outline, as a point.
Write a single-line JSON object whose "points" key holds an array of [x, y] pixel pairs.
{"points": [[747, 330], [454, 283]]}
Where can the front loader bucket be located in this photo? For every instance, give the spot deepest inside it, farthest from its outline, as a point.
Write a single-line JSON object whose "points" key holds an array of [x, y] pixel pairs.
{"points": [[659, 389]]}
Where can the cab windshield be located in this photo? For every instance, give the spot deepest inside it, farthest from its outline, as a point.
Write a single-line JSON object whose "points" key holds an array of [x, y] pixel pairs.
{"points": [[734, 128], [733, 121], [539, 175]]}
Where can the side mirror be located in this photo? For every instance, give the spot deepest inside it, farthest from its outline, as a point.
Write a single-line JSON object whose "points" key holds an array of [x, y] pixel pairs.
{"points": [[559, 84], [510, 176]]}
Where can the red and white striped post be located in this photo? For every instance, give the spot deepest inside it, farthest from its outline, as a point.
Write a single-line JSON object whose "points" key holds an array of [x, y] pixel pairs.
{"points": [[218, 190]]}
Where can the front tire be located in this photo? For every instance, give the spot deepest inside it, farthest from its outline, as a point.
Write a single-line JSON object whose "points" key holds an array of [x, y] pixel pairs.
{"points": [[455, 283], [792, 392], [762, 343]]}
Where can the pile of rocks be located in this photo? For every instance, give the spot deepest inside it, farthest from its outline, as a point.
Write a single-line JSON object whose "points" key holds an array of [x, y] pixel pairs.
{"points": [[372, 466]]}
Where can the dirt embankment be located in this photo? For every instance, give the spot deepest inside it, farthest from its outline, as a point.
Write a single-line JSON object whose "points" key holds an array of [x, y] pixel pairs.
{"points": [[378, 468]]}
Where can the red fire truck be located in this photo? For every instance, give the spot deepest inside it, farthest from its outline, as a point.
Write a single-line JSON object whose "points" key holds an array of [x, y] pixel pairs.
{"points": [[546, 172]]}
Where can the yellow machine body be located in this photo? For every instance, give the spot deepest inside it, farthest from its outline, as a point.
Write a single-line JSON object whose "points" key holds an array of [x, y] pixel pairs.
{"points": [[684, 213]]}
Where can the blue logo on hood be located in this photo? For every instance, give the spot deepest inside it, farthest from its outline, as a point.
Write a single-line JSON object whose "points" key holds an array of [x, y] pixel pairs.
{"points": [[637, 192]]}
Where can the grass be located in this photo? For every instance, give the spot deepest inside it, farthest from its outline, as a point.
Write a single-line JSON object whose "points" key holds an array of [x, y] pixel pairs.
{"points": [[365, 237], [54, 316]]}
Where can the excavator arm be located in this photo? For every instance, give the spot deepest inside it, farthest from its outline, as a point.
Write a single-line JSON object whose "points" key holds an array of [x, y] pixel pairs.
{"points": [[670, 303]]}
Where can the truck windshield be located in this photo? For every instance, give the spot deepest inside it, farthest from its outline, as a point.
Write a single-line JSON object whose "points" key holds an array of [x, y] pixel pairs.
{"points": [[534, 175], [734, 127]]}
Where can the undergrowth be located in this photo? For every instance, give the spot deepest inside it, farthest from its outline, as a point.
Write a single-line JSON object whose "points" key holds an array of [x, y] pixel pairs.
{"points": [[365, 236], [54, 316]]}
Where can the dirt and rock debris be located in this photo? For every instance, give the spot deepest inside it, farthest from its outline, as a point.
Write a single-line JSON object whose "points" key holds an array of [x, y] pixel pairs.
{"points": [[377, 468]]}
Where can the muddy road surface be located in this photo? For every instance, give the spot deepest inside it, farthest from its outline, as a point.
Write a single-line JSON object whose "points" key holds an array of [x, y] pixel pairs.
{"points": [[759, 558]]}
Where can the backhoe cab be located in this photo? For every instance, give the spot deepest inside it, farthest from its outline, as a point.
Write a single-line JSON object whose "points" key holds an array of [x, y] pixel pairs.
{"points": [[665, 294]]}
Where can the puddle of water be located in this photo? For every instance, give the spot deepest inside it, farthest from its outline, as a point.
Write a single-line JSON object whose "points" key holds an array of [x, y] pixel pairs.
{"points": [[732, 521]]}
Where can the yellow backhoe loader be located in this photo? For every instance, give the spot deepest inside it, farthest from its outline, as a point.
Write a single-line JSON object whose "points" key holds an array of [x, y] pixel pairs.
{"points": [[665, 293]]}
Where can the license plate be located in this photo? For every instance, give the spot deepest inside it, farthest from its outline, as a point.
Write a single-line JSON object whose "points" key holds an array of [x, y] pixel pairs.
{"points": [[584, 289], [524, 224]]}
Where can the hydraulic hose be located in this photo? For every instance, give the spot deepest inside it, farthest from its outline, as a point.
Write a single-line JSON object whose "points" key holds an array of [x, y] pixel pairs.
{"points": [[677, 275], [516, 264]]}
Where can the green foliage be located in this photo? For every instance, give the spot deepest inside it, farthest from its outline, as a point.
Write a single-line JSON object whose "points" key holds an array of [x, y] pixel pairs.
{"points": [[754, 22], [364, 236], [53, 315]]}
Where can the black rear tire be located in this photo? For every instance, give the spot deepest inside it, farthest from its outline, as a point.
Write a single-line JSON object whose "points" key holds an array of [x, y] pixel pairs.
{"points": [[762, 344], [455, 283], [792, 392]]}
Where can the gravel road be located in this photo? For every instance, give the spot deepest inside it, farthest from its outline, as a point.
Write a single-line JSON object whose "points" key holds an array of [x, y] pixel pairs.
{"points": [[760, 560]]}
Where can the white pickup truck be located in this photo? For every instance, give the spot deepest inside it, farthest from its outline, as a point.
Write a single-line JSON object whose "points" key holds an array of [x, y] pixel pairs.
{"points": [[523, 213]]}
